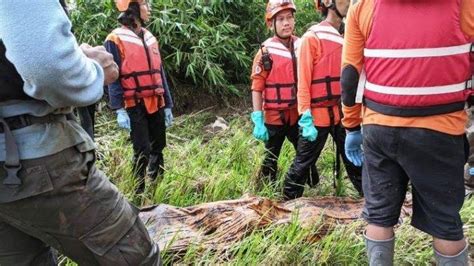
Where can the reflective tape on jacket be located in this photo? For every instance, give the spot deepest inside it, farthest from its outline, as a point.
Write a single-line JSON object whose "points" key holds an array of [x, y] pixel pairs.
{"points": [[420, 65], [280, 84], [325, 84]]}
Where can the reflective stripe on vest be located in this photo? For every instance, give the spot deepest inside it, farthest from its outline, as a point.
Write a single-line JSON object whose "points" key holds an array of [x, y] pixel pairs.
{"points": [[280, 85], [325, 86], [140, 72], [419, 66]]}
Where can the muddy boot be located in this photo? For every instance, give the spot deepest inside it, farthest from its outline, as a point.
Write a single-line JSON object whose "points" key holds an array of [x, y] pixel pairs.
{"points": [[460, 259], [380, 252]]}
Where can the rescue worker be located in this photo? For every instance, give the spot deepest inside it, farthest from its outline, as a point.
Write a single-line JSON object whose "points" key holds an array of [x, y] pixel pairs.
{"points": [[141, 96], [274, 88], [319, 94], [412, 61], [51, 194]]}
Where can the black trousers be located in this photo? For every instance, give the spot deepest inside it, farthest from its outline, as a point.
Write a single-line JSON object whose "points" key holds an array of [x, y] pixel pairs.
{"points": [[308, 153], [87, 118], [148, 136], [277, 135]]}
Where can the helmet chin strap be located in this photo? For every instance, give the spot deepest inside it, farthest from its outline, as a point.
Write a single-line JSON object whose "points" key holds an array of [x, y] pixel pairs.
{"points": [[276, 32]]}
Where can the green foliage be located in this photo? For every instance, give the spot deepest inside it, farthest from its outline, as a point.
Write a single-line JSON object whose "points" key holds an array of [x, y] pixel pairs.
{"points": [[208, 43]]}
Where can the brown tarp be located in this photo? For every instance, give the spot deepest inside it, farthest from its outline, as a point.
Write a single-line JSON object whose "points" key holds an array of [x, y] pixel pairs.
{"points": [[217, 225]]}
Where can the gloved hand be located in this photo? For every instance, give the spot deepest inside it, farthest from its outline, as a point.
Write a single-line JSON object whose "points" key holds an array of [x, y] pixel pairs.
{"points": [[123, 119], [308, 130], [353, 147], [471, 171], [168, 117], [259, 131]]}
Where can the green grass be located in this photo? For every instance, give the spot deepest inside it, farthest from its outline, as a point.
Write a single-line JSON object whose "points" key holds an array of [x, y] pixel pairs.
{"points": [[201, 167]]}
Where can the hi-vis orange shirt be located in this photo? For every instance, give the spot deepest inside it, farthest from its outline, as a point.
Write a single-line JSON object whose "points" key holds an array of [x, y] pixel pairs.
{"points": [[262, 80], [358, 30], [319, 57]]}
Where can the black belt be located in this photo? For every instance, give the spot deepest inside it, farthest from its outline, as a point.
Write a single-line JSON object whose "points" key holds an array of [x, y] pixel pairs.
{"points": [[21, 121], [12, 160]]}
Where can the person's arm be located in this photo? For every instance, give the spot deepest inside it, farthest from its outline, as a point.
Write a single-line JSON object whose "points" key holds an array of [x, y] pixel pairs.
{"points": [[115, 88], [352, 64], [308, 53], [259, 75], [168, 97], [46, 55]]}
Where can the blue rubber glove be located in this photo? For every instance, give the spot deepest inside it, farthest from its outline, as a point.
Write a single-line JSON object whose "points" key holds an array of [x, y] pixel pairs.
{"points": [[308, 130], [353, 147], [123, 119], [168, 117], [259, 131], [471, 171]]}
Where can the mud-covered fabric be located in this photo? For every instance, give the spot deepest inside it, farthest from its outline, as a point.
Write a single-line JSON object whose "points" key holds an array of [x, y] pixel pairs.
{"points": [[431, 161], [66, 203], [308, 153]]}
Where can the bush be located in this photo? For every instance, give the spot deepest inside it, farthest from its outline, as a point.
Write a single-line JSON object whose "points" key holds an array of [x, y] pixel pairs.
{"points": [[207, 43]]}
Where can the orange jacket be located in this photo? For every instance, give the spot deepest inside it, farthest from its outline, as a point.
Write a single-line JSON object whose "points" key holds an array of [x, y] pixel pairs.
{"points": [[140, 71], [281, 73], [358, 30], [319, 59]]}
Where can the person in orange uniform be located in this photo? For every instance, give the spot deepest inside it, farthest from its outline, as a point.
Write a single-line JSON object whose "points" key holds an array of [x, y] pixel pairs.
{"points": [[411, 59], [274, 86], [319, 96], [141, 96]]}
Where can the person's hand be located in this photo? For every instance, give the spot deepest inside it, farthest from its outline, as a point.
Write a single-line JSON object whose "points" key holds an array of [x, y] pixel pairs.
{"points": [[259, 131], [353, 147], [308, 130], [105, 60], [123, 120], [168, 117]]}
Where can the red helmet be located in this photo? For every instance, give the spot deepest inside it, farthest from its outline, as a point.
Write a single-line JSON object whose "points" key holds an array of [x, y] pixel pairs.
{"points": [[275, 6]]}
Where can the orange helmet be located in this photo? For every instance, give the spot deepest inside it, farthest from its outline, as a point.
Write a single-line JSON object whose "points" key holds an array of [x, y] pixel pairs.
{"points": [[122, 5], [275, 6]]}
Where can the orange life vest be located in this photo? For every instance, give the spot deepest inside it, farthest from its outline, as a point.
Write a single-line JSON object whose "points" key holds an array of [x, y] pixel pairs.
{"points": [[280, 85], [325, 84], [140, 72]]}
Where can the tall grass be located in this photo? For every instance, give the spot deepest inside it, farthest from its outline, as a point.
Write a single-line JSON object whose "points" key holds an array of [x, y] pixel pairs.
{"points": [[201, 168]]}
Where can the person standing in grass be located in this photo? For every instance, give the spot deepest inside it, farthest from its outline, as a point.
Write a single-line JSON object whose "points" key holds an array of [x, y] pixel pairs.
{"points": [[52, 196], [274, 86], [412, 60], [319, 97], [141, 96]]}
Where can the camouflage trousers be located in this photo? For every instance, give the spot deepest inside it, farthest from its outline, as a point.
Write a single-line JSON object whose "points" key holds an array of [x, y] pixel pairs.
{"points": [[65, 203]]}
